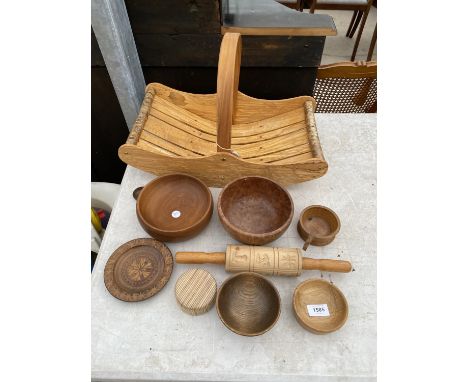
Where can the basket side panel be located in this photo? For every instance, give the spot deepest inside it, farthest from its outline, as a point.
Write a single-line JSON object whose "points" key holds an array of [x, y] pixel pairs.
{"points": [[219, 169]]}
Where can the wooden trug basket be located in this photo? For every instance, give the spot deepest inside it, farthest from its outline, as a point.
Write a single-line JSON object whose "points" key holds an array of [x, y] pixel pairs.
{"points": [[220, 137]]}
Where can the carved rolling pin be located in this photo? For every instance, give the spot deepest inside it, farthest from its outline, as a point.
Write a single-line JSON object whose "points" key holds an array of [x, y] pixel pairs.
{"points": [[266, 260]]}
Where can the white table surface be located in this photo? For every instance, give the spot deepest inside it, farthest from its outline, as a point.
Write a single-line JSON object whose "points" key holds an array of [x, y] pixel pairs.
{"points": [[155, 340]]}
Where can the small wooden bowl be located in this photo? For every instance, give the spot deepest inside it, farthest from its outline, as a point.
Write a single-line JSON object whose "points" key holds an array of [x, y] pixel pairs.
{"points": [[174, 207], [320, 222], [255, 210], [248, 304], [318, 291]]}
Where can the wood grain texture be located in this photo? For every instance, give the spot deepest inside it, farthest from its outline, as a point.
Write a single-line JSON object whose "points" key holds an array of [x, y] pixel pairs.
{"points": [[227, 89], [314, 140], [326, 265], [267, 260], [333, 5], [174, 207], [208, 170], [264, 260], [195, 291], [201, 258], [229, 134], [255, 210], [269, 83], [318, 291], [348, 69], [138, 269], [318, 225], [248, 304]]}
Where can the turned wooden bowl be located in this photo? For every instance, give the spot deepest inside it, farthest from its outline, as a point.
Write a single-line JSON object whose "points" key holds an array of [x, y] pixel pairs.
{"points": [[174, 207], [255, 210], [248, 304], [318, 225], [315, 292]]}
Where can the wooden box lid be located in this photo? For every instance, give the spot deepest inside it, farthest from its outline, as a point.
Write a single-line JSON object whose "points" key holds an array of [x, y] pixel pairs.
{"points": [[196, 291]]}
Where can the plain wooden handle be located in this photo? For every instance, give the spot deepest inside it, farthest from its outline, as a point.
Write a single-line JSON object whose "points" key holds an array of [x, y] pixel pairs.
{"points": [[326, 265], [227, 86], [200, 258]]}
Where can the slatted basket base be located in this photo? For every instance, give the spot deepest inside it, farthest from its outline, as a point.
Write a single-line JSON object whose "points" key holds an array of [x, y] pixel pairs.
{"points": [[220, 137]]}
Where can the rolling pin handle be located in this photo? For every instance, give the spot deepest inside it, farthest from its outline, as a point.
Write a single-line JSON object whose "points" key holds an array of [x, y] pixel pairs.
{"points": [[200, 258], [326, 265]]}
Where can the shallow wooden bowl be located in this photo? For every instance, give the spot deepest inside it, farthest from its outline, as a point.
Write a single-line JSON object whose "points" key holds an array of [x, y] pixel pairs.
{"points": [[248, 304], [174, 207], [318, 291], [320, 222], [138, 269], [255, 210]]}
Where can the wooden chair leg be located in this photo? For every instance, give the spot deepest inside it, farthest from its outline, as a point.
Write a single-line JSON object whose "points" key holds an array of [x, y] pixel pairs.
{"points": [[300, 5], [372, 44], [351, 24], [356, 23], [313, 3], [358, 38]]}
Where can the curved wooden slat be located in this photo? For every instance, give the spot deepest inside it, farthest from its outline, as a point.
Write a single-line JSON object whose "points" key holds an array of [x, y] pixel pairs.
{"points": [[247, 111]]}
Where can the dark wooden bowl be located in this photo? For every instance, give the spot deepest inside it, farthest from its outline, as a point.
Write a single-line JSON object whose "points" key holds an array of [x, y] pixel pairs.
{"points": [[318, 291], [174, 207], [255, 210], [248, 304], [320, 222]]}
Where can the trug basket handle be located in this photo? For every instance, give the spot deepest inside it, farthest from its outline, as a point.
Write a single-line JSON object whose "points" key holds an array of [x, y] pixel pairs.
{"points": [[227, 86]]}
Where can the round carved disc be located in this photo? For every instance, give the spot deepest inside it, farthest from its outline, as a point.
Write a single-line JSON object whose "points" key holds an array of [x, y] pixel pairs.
{"points": [[196, 291], [138, 269]]}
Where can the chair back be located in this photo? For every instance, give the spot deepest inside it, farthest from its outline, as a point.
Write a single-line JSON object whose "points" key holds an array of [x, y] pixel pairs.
{"points": [[346, 87]]}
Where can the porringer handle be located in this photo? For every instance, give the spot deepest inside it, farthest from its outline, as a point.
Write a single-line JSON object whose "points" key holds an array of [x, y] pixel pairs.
{"points": [[136, 192], [309, 240]]}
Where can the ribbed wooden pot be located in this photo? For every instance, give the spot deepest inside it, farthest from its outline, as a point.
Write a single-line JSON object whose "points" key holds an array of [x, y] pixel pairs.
{"points": [[248, 304], [195, 291]]}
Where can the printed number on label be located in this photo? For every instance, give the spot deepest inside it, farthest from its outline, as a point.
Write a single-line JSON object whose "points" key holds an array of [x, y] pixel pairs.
{"points": [[318, 310]]}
